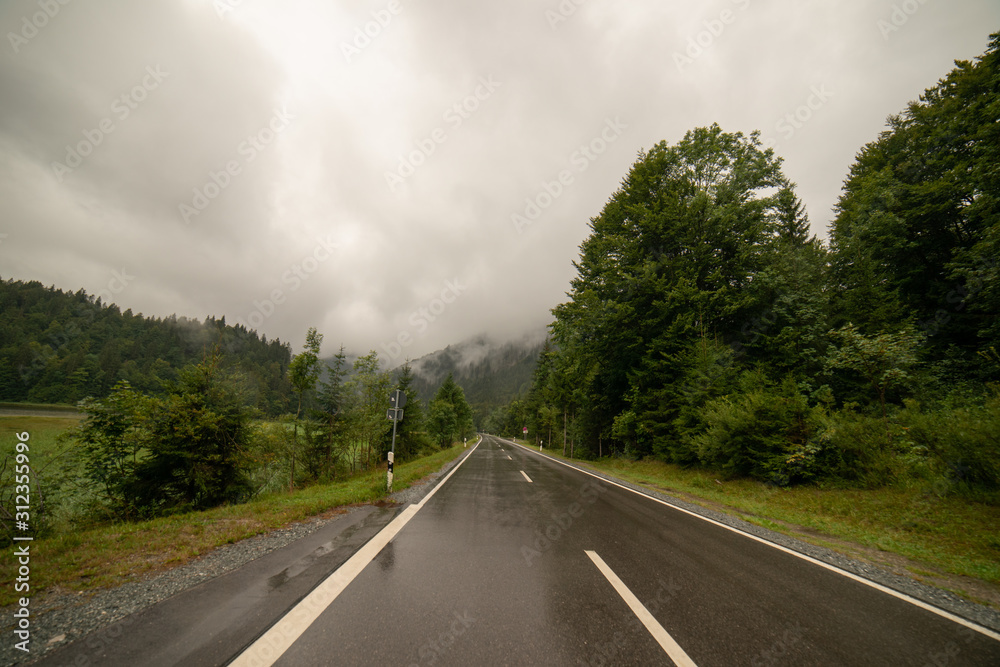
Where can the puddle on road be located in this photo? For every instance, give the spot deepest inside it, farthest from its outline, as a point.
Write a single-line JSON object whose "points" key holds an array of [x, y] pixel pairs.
{"points": [[342, 539]]}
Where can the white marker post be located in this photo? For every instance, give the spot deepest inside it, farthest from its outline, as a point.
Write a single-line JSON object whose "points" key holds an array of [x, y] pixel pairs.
{"points": [[391, 457]]}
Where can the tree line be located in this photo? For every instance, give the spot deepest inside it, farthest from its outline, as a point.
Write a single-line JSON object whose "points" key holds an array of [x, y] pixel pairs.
{"points": [[220, 429], [706, 327], [200, 443], [61, 347]]}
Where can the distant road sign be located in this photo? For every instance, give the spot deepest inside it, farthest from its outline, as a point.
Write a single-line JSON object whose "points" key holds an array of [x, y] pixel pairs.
{"points": [[398, 399], [525, 429]]}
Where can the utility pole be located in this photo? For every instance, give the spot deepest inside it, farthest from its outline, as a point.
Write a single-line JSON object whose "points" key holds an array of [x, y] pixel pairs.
{"points": [[395, 414]]}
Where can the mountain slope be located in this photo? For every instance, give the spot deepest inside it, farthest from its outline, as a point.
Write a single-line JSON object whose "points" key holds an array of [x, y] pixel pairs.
{"points": [[58, 347], [489, 372]]}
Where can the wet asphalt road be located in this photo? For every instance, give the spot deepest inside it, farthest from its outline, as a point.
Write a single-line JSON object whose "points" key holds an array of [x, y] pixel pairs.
{"points": [[494, 569]]}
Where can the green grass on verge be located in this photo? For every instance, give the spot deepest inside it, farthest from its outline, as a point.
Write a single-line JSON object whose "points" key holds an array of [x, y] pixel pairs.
{"points": [[111, 555], [947, 533]]}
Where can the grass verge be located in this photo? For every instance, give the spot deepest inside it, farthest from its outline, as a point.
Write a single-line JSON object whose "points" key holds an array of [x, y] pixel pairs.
{"points": [[111, 555], [942, 541]]}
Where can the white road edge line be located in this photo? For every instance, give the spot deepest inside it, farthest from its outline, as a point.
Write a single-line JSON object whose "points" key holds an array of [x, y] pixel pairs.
{"points": [[815, 561], [525, 475], [271, 645], [662, 637]]}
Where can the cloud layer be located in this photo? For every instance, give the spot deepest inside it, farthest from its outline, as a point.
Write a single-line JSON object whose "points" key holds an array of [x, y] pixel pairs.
{"points": [[362, 167]]}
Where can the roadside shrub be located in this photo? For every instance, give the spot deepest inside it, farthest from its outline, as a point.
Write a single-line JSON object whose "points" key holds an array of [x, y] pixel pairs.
{"points": [[862, 452], [114, 438], [963, 441], [268, 463], [199, 437], [766, 432], [145, 456], [707, 373], [420, 444]]}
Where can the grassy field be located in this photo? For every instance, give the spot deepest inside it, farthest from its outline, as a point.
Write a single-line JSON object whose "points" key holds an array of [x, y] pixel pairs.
{"points": [[43, 431], [111, 555], [43, 442], [942, 540], [48, 407]]}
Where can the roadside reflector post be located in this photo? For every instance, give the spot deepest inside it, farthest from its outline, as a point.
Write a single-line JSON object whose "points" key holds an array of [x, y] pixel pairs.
{"points": [[389, 474]]}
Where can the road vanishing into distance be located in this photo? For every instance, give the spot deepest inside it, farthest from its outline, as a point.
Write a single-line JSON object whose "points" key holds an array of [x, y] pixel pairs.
{"points": [[517, 559]]}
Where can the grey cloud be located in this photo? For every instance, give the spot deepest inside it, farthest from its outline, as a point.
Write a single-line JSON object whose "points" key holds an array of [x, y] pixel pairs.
{"points": [[324, 175]]}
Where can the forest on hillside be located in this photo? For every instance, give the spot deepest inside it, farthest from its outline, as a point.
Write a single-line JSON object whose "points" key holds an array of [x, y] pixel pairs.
{"points": [[197, 442], [706, 327], [491, 374], [61, 347]]}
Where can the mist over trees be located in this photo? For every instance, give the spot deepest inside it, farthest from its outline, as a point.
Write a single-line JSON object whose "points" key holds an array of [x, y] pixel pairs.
{"points": [[705, 327], [489, 373], [61, 347]]}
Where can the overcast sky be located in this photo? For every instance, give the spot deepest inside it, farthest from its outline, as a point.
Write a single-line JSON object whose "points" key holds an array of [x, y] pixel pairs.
{"points": [[359, 166]]}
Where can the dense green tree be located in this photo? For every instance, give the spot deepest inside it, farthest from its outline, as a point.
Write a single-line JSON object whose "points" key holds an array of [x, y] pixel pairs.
{"points": [[114, 437], [442, 422], [303, 372], [369, 389], [450, 416], [883, 361], [674, 256], [915, 236], [507, 420], [787, 332], [411, 432], [326, 440], [199, 434], [706, 326], [540, 398]]}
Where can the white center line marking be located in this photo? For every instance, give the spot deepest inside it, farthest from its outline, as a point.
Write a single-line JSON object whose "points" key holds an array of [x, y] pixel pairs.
{"points": [[833, 568], [662, 637], [526, 475], [509, 459]]}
